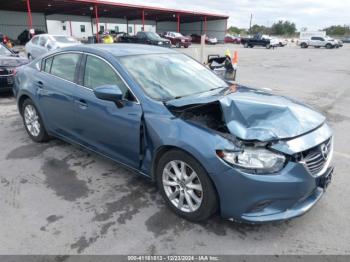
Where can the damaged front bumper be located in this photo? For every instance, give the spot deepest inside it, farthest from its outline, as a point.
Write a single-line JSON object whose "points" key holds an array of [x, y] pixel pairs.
{"points": [[267, 198], [255, 198]]}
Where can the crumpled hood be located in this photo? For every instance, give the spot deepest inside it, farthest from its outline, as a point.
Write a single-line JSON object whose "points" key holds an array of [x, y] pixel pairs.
{"points": [[251, 114], [12, 61]]}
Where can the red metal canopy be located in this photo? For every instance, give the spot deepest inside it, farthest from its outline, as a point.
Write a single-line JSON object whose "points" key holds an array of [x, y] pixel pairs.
{"points": [[107, 9]]}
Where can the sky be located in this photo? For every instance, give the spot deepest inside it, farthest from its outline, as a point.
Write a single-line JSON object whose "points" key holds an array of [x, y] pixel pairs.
{"points": [[312, 14]]}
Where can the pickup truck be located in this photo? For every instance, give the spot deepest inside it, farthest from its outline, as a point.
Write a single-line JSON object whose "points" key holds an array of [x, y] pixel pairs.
{"points": [[148, 38], [318, 41], [177, 39], [259, 40]]}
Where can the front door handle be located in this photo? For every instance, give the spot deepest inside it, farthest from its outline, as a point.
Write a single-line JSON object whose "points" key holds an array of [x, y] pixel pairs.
{"points": [[40, 84], [81, 103]]}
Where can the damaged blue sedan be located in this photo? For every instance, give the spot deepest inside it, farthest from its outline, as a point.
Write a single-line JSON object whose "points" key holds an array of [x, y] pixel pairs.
{"points": [[210, 145]]}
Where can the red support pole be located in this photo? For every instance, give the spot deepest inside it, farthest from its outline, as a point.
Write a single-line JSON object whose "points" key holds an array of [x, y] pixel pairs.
{"points": [[178, 23], [97, 22], [30, 19], [205, 25], [70, 28], [143, 20]]}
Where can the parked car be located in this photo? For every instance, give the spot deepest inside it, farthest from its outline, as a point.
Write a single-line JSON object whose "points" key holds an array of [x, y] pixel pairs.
{"points": [[177, 39], [25, 36], [282, 42], [41, 44], [208, 40], [148, 38], [9, 62], [232, 39], [208, 144], [318, 41], [346, 40], [260, 40], [340, 43]]}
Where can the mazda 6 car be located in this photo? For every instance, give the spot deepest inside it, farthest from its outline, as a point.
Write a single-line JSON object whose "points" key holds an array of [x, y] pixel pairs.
{"points": [[210, 145]]}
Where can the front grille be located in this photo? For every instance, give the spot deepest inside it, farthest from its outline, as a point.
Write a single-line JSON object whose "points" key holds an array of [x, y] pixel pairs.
{"points": [[318, 158]]}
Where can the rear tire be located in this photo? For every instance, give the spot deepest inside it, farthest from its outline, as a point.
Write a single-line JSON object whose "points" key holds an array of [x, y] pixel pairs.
{"points": [[33, 122], [246, 45], [303, 45], [188, 190], [30, 58]]}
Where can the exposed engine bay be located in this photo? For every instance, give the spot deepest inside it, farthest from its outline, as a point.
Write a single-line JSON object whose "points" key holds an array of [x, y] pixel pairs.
{"points": [[209, 115]]}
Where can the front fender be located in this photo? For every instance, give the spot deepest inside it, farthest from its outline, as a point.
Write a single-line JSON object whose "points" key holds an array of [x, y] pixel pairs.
{"points": [[200, 142]]}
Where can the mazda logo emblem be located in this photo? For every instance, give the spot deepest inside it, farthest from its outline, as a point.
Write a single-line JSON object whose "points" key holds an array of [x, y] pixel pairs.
{"points": [[324, 151]]}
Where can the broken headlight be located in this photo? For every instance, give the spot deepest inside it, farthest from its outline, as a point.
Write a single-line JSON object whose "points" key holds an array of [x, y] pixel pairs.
{"points": [[254, 160]]}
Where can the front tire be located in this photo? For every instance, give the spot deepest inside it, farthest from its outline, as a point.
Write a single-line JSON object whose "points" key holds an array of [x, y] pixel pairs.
{"points": [[33, 122], [186, 186], [268, 46], [329, 46]]}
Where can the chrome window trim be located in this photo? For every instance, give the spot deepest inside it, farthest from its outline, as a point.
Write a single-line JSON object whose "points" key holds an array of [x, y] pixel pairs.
{"points": [[86, 53]]}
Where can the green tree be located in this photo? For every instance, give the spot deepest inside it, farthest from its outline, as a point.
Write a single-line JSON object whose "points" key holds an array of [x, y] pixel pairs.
{"points": [[283, 28], [235, 30], [259, 29], [337, 30]]}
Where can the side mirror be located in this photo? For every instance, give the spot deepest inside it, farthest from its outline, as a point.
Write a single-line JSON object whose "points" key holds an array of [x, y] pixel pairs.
{"points": [[110, 93]]}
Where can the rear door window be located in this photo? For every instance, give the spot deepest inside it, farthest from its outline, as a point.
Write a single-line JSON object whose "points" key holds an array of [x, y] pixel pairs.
{"points": [[64, 65]]}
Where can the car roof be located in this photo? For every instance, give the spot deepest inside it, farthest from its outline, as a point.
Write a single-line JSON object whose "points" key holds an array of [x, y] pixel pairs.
{"points": [[122, 49], [51, 35]]}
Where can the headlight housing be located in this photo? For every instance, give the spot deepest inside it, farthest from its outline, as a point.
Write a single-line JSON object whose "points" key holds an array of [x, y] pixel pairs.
{"points": [[160, 43], [254, 160]]}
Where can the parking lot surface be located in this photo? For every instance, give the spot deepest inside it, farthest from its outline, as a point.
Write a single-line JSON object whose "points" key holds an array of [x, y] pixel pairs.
{"points": [[56, 198]]}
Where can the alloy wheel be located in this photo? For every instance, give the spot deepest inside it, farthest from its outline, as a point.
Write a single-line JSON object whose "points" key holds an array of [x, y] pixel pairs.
{"points": [[31, 119], [182, 186]]}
